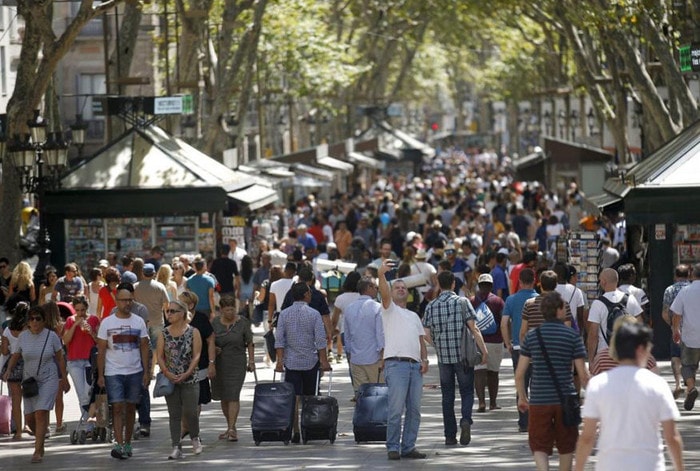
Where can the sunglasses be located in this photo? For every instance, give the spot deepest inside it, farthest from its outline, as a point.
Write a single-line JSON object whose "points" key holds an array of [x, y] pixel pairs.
{"points": [[36, 318], [2, 267], [173, 311]]}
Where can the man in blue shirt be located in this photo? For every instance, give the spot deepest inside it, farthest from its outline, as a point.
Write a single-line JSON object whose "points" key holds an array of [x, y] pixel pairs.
{"points": [[364, 335], [510, 327], [202, 284], [500, 279], [300, 341]]}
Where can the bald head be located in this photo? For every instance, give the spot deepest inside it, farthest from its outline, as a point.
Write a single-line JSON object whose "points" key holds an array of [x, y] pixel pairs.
{"points": [[608, 279]]}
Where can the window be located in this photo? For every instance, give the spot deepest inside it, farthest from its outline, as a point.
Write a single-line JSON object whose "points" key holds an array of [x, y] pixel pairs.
{"points": [[90, 85]]}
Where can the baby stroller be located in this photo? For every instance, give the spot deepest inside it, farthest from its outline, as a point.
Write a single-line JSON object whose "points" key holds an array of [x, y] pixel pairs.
{"points": [[101, 428]]}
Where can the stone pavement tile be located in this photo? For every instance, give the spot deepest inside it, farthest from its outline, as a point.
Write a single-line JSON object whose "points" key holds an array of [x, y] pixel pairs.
{"points": [[496, 443]]}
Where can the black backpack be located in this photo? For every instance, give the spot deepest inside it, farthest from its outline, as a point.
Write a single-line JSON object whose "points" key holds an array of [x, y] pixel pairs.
{"points": [[615, 310]]}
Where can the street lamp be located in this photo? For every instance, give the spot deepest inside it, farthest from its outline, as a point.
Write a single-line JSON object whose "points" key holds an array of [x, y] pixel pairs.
{"points": [[591, 120], [573, 122], [39, 161], [78, 131], [561, 120]]}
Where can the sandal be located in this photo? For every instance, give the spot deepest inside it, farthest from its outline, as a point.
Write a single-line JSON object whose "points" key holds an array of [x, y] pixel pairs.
{"points": [[27, 430], [232, 435], [223, 436], [36, 458]]}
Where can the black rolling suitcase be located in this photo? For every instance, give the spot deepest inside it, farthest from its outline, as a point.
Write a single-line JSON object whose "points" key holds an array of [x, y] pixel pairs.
{"points": [[319, 415], [273, 412], [371, 413]]}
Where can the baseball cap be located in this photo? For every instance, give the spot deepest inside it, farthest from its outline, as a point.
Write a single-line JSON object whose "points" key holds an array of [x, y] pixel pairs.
{"points": [[485, 278], [129, 277], [149, 269], [103, 263]]}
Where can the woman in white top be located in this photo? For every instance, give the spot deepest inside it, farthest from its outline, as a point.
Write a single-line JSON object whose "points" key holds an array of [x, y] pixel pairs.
{"points": [[10, 340], [165, 275], [94, 288], [348, 295], [46, 290], [179, 277]]}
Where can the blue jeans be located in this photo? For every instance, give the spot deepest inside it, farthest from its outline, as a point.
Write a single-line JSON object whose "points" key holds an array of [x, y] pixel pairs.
{"points": [[522, 416], [76, 370], [465, 380], [405, 388]]}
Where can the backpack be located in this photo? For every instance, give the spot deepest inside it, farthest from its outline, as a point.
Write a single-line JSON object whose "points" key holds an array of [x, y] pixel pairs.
{"points": [[485, 320], [615, 311]]}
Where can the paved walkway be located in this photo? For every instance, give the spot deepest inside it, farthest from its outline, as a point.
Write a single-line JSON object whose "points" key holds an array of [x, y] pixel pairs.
{"points": [[496, 444]]}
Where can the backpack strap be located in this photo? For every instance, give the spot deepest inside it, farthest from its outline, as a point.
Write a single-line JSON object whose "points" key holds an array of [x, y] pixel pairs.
{"points": [[609, 305]]}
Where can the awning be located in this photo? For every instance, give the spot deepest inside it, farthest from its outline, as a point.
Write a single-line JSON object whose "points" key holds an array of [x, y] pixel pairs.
{"points": [[599, 203], [305, 182], [335, 164], [255, 196], [314, 171], [529, 160], [360, 159]]}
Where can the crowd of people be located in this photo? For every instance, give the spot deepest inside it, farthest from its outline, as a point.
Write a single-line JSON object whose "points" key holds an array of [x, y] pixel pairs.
{"points": [[462, 245]]}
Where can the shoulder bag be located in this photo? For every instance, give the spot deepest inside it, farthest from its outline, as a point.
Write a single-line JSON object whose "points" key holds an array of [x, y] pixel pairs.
{"points": [[30, 386], [469, 353], [570, 403]]}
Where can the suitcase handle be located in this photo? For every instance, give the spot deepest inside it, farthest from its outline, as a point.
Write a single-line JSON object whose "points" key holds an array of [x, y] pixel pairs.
{"points": [[318, 381], [274, 376]]}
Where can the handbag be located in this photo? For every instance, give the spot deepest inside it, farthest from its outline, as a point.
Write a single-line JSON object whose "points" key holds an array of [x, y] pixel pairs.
{"points": [[30, 386], [469, 353], [270, 344], [570, 403], [101, 409], [163, 387]]}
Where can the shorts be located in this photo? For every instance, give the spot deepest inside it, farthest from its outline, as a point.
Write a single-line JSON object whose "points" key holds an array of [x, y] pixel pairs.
{"points": [[495, 356], [304, 381], [153, 334], [545, 428], [124, 388]]}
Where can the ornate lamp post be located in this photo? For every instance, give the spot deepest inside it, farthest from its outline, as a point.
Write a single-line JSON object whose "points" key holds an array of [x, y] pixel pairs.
{"points": [[39, 161], [78, 131]]}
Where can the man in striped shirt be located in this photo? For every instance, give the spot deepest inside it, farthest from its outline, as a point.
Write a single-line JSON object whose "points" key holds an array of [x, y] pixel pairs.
{"points": [[562, 345]]}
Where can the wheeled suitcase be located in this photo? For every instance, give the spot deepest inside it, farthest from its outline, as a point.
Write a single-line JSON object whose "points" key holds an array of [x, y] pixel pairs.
{"points": [[371, 413], [319, 415], [5, 413], [274, 405]]}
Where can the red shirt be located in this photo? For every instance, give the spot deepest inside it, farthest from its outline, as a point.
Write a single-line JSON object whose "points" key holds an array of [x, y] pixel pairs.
{"points": [[317, 232], [82, 342], [108, 301]]}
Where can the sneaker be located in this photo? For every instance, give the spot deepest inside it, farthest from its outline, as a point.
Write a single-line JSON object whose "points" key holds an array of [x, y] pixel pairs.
{"points": [[414, 455], [176, 454], [450, 441], [60, 429], [144, 431], [196, 446], [118, 452], [127, 450], [466, 436], [394, 455], [689, 402]]}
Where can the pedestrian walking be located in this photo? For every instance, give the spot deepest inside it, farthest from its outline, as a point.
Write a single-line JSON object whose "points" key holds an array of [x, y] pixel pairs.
{"points": [[551, 347], [444, 320]]}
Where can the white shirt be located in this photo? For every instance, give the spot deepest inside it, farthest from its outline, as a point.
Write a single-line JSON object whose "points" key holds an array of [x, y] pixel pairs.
{"points": [[279, 288], [638, 293], [687, 305], [599, 313], [425, 269], [402, 332], [341, 302], [630, 403], [571, 295], [123, 336], [277, 257]]}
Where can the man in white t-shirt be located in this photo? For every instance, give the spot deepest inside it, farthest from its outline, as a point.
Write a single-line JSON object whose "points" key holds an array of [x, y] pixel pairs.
{"points": [[122, 342], [630, 402], [571, 295], [628, 275], [598, 314], [279, 289], [405, 363], [426, 270], [686, 331]]}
